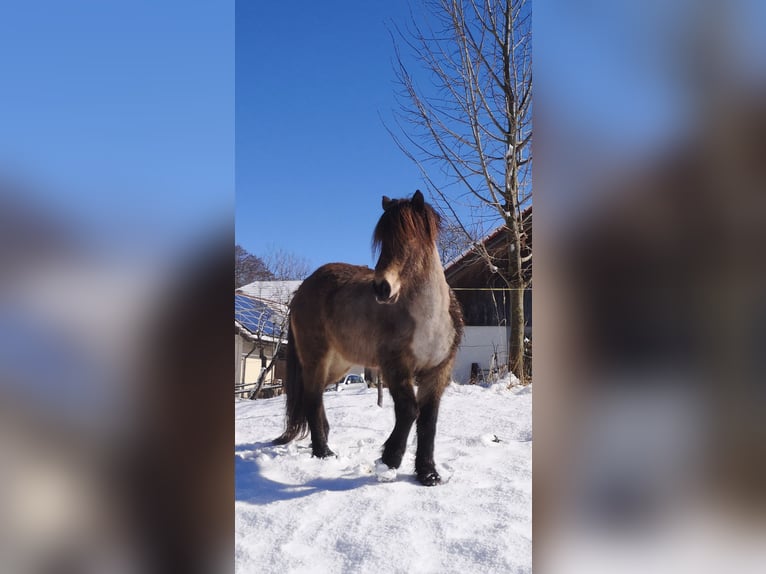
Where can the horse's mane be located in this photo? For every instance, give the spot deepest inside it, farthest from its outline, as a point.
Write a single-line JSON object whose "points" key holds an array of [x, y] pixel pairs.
{"points": [[403, 223]]}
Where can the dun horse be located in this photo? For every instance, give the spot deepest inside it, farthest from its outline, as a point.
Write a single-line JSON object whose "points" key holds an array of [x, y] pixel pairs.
{"points": [[401, 317]]}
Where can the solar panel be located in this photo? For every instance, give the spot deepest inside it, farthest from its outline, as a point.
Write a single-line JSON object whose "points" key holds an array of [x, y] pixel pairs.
{"points": [[256, 316]]}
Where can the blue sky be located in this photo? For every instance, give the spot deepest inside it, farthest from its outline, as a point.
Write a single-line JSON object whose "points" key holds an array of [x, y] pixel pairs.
{"points": [[120, 114], [312, 155]]}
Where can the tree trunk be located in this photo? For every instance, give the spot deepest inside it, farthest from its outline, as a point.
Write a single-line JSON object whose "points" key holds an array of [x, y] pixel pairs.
{"points": [[262, 377], [516, 343], [516, 283]]}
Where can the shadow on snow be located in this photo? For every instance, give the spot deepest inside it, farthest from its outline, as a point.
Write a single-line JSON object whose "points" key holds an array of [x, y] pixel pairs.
{"points": [[253, 487]]}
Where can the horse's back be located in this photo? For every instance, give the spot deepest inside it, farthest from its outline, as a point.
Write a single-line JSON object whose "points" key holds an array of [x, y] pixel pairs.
{"points": [[330, 281], [335, 308]]}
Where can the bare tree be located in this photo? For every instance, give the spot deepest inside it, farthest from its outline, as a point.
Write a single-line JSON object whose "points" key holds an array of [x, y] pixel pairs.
{"points": [[249, 268], [265, 369], [468, 126], [453, 242], [285, 265]]}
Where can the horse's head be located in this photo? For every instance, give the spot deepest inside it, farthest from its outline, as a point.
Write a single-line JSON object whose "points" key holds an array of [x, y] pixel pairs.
{"points": [[405, 237]]}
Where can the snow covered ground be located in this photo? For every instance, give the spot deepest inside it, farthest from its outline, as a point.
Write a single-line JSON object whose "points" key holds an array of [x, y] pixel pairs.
{"points": [[295, 513]]}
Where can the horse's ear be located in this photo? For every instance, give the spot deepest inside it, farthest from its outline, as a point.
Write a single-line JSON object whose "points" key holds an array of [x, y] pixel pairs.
{"points": [[387, 201], [418, 202]]}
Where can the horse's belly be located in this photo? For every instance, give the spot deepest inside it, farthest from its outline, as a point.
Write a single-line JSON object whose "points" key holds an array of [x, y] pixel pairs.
{"points": [[355, 347]]}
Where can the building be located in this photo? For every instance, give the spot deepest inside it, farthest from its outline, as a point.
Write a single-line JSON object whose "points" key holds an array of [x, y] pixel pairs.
{"points": [[260, 336], [483, 296]]}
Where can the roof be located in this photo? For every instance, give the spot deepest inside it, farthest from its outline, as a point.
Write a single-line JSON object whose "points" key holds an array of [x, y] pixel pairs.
{"points": [[470, 265], [469, 251], [256, 318], [277, 293], [260, 308]]}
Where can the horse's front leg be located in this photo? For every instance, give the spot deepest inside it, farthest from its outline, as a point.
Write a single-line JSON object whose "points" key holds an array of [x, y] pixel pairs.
{"points": [[400, 384], [430, 391]]}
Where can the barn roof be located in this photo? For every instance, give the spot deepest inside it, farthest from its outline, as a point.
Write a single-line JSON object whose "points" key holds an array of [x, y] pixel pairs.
{"points": [[470, 266]]}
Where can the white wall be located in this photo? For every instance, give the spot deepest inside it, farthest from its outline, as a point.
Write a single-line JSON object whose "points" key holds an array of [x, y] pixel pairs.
{"points": [[237, 359], [252, 365], [477, 347]]}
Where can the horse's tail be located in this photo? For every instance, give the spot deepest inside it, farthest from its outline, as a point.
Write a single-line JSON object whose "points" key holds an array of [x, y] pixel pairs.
{"points": [[296, 424]]}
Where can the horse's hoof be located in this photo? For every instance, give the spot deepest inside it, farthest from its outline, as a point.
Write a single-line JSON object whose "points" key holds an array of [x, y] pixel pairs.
{"points": [[392, 459], [383, 472], [429, 478], [322, 453]]}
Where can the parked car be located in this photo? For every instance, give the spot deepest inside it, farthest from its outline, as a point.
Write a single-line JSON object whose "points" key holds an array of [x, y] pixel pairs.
{"points": [[350, 381]]}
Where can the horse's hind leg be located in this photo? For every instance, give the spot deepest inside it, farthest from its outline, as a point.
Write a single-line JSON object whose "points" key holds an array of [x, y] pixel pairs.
{"points": [[318, 424], [432, 385], [406, 409], [321, 373]]}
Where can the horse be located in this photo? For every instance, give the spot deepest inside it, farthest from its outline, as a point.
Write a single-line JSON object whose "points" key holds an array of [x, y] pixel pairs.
{"points": [[400, 317]]}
